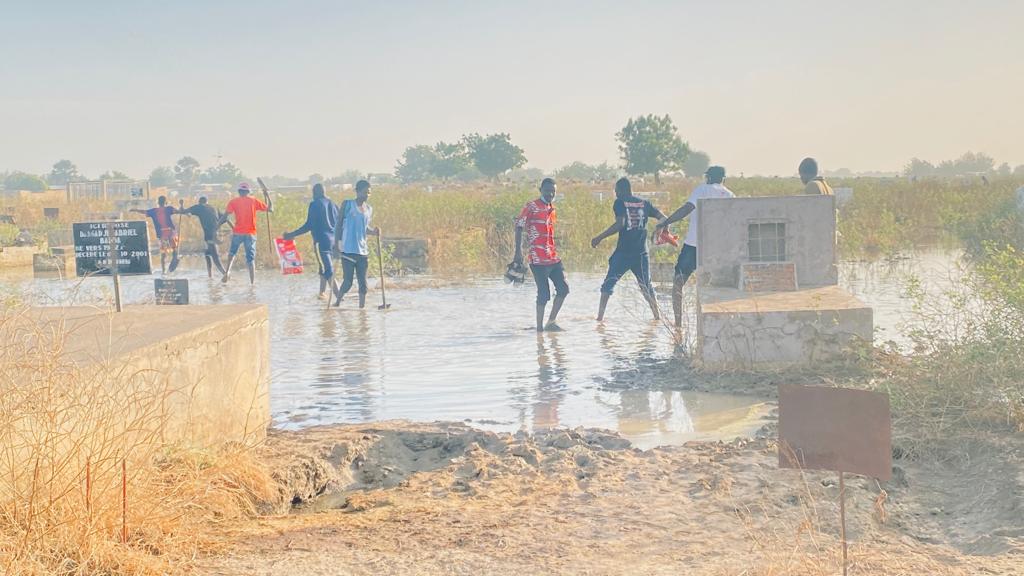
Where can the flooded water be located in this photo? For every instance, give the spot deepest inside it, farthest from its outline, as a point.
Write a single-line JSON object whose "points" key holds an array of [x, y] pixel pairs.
{"points": [[467, 351]]}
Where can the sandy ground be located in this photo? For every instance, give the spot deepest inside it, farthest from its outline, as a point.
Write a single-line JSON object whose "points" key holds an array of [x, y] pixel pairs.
{"points": [[401, 498]]}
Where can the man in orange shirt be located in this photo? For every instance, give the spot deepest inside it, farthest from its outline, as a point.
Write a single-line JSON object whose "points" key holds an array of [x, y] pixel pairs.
{"points": [[244, 209]]}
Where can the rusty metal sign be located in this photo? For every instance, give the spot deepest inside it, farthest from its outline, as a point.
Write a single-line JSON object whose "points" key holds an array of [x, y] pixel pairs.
{"points": [[836, 429]]}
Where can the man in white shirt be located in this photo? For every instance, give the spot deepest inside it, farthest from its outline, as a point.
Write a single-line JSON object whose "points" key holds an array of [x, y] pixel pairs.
{"points": [[687, 262]]}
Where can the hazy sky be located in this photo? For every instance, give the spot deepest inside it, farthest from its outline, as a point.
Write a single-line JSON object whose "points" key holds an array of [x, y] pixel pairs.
{"points": [[316, 86]]}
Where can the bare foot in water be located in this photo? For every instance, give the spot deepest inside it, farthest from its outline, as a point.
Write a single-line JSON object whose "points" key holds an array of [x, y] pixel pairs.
{"points": [[552, 327]]}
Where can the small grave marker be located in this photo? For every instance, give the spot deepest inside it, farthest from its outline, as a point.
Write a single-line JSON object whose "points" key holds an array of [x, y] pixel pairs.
{"points": [[838, 429], [171, 291]]}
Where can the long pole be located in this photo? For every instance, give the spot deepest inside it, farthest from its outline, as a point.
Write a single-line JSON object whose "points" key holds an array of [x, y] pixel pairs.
{"points": [[266, 199], [113, 266], [380, 266], [842, 516]]}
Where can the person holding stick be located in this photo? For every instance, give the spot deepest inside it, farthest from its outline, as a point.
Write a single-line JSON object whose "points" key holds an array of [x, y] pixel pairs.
{"points": [[163, 224], [210, 220], [537, 219], [631, 215], [244, 209], [321, 221], [353, 227]]}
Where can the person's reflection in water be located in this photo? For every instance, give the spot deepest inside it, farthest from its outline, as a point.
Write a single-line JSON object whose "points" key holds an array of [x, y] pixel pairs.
{"points": [[551, 380], [328, 356], [357, 380]]}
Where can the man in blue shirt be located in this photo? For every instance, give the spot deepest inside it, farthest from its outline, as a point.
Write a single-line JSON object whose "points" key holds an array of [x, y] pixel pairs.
{"points": [[353, 227], [631, 215], [321, 221]]}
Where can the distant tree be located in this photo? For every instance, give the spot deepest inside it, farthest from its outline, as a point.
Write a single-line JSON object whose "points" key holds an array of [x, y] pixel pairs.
{"points": [[417, 164], [470, 174], [494, 154], [581, 171], [315, 178], [1004, 169], [918, 168], [186, 172], [532, 175], [161, 176], [651, 145], [604, 172], [696, 164], [64, 171], [969, 163], [450, 160], [1019, 170], [576, 171], [226, 173], [114, 175], [23, 181]]}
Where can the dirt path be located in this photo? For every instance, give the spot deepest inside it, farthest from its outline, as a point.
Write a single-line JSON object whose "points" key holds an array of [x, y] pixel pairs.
{"points": [[445, 499]]}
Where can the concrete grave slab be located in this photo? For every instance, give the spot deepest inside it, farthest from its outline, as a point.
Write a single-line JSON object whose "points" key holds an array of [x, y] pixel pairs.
{"points": [[738, 330]]}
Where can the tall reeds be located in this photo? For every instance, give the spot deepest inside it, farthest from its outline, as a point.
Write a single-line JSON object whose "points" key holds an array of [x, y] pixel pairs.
{"points": [[87, 486]]}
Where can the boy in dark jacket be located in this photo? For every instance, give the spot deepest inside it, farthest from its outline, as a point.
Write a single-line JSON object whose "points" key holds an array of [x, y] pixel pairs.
{"points": [[321, 222]]}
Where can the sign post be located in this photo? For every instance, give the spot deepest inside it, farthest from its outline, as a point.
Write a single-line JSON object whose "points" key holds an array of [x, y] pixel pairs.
{"points": [[837, 429], [111, 249]]}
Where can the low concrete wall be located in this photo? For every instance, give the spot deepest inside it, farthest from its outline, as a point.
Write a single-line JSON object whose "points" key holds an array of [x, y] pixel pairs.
{"points": [[17, 256], [782, 329], [209, 365]]}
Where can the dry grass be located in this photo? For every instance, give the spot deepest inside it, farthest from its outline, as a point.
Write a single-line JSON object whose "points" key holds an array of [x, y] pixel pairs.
{"points": [[86, 485]]}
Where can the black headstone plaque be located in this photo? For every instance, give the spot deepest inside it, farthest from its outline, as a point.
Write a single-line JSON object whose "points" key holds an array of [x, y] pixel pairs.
{"points": [[171, 290], [92, 247]]}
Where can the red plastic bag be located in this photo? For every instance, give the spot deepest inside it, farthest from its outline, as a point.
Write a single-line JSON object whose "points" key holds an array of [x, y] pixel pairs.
{"points": [[288, 254], [667, 237]]}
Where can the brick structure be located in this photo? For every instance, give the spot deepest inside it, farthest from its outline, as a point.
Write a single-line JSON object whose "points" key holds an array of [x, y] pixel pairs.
{"points": [[768, 277]]}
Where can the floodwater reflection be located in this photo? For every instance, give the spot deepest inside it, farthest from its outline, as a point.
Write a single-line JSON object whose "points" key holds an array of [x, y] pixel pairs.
{"points": [[468, 352]]}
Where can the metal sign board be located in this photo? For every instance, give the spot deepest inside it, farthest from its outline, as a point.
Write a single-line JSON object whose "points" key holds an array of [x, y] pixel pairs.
{"points": [[170, 291], [836, 429], [93, 242]]}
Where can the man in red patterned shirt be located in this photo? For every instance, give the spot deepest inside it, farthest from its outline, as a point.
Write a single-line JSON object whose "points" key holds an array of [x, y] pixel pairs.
{"points": [[538, 220]]}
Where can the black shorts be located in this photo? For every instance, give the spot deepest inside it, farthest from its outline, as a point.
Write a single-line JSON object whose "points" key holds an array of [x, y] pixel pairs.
{"points": [[620, 263], [553, 272], [687, 262]]}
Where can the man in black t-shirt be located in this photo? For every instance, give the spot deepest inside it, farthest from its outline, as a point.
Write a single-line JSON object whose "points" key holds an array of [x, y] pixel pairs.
{"points": [[209, 219], [631, 215]]}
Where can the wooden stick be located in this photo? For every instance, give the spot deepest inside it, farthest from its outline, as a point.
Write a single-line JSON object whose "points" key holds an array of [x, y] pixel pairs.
{"points": [[270, 237], [88, 486], [842, 516], [124, 502]]}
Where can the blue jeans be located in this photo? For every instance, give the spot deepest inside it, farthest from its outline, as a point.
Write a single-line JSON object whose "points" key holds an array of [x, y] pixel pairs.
{"points": [[247, 240]]}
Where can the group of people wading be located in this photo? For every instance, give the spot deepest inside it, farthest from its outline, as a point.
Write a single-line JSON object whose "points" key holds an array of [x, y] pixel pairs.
{"points": [[342, 231], [537, 222], [336, 231]]}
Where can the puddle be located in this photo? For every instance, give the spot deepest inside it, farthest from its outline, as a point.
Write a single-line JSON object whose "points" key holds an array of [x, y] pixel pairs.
{"points": [[468, 353]]}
